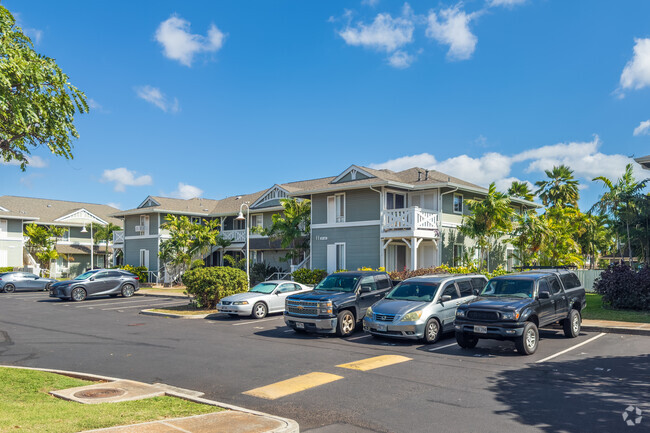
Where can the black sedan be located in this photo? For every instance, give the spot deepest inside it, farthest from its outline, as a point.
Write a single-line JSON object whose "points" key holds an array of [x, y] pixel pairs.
{"points": [[98, 282], [12, 281]]}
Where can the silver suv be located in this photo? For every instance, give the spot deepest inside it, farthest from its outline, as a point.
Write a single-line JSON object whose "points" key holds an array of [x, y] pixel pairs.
{"points": [[422, 307]]}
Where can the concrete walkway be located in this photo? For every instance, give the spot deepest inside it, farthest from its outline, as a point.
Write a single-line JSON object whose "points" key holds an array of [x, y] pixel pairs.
{"points": [[616, 327]]}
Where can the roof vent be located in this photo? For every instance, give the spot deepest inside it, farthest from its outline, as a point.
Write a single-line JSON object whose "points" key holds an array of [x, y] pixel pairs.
{"points": [[448, 179], [238, 197], [419, 175], [49, 205], [426, 174]]}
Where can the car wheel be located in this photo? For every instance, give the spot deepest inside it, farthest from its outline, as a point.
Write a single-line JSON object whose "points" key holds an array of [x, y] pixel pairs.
{"points": [[571, 324], [345, 323], [128, 290], [465, 341], [529, 340], [259, 310], [431, 331], [78, 294], [9, 288], [47, 287]]}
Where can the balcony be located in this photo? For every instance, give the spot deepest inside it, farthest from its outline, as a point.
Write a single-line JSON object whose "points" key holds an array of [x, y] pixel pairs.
{"points": [[118, 239], [234, 235], [410, 222]]}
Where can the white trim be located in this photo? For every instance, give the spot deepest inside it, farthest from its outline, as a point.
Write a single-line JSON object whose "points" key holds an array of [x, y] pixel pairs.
{"points": [[141, 237], [89, 215], [149, 198], [4, 229], [271, 194], [351, 169], [347, 224], [450, 225], [462, 204]]}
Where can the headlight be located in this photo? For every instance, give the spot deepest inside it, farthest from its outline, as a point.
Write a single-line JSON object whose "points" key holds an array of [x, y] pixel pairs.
{"points": [[412, 316], [369, 312], [240, 303], [510, 315], [460, 313], [325, 307]]}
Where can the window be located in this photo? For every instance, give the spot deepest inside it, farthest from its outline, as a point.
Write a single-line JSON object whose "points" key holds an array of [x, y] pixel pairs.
{"points": [[3, 228], [382, 282], [570, 281], [450, 290], [543, 287], [555, 285], [335, 257], [458, 254], [101, 275], [395, 201], [239, 224], [196, 220], [336, 209], [340, 256], [465, 288], [114, 274], [258, 256], [65, 237], [257, 221], [144, 225], [478, 284], [369, 281], [458, 203], [144, 258]]}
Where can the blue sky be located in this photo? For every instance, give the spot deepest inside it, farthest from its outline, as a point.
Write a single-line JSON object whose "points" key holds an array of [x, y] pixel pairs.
{"points": [[221, 98]]}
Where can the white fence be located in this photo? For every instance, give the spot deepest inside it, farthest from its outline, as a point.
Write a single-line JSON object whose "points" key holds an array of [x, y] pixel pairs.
{"points": [[587, 277], [234, 235], [409, 218]]}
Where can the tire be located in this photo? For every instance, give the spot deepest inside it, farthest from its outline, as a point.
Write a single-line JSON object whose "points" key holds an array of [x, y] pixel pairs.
{"points": [[47, 287], [345, 323], [431, 331], [9, 288], [465, 341], [128, 290], [571, 324], [260, 310], [529, 340], [78, 294]]}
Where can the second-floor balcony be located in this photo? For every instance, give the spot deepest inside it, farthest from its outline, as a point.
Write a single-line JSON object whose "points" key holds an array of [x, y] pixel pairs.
{"points": [[118, 239], [234, 235], [411, 221]]}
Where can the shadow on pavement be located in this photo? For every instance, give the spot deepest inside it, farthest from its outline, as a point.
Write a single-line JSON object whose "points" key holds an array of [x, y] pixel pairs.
{"points": [[586, 395]]}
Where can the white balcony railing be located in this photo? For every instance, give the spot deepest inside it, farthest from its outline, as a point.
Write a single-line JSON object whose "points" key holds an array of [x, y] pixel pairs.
{"points": [[118, 237], [412, 218], [234, 235]]}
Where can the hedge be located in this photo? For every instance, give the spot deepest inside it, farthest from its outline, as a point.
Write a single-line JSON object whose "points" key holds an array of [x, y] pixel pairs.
{"points": [[309, 276], [141, 272], [444, 269], [209, 285], [624, 288]]}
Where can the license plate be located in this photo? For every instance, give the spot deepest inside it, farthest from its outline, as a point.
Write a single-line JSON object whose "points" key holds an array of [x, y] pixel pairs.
{"points": [[480, 329], [300, 325], [381, 328]]}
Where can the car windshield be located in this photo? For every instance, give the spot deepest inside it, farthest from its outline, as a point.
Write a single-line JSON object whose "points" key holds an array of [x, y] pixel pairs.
{"points": [[422, 292], [84, 276], [264, 288], [509, 288], [338, 283]]}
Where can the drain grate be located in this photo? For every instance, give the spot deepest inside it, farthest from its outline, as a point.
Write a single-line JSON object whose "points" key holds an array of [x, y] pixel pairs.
{"points": [[100, 393]]}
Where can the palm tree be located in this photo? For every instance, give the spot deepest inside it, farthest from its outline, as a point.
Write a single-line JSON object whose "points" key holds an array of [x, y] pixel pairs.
{"points": [[596, 237], [620, 198], [291, 227], [521, 190], [490, 219], [560, 190], [104, 233], [531, 233]]}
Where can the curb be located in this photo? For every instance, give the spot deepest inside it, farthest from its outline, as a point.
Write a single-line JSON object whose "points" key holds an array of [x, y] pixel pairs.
{"points": [[614, 330], [160, 295], [289, 425], [176, 316]]}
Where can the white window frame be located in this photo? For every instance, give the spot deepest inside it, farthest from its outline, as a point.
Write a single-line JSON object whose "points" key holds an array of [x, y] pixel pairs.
{"points": [[462, 204], [196, 220], [257, 220], [458, 262], [236, 223], [396, 193], [334, 203], [66, 235], [4, 229], [144, 258], [144, 221], [339, 259]]}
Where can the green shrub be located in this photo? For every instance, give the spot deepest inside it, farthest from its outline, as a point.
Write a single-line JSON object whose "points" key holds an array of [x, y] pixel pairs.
{"points": [[141, 272], [309, 276], [444, 269], [208, 285], [6, 269], [198, 263], [261, 271]]}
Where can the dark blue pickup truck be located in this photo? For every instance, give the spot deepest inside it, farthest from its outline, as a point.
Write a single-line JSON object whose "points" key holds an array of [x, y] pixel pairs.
{"points": [[337, 304]]}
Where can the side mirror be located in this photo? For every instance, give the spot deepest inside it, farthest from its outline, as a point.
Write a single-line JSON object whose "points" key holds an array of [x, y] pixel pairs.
{"points": [[445, 298], [92, 278], [476, 292], [544, 295], [365, 289]]}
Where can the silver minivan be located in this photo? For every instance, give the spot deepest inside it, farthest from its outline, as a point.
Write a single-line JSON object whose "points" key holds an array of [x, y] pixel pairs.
{"points": [[422, 307]]}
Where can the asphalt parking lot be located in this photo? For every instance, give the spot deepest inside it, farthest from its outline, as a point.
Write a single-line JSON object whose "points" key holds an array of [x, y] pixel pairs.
{"points": [[327, 384]]}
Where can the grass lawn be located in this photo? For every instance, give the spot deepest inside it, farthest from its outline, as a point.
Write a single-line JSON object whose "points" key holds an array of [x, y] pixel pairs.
{"points": [[596, 311], [27, 406], [185, 310]]}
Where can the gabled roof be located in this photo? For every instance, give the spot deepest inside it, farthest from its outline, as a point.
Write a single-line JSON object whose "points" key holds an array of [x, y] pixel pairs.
{"points": [[194, 206], [644, 161], [48, 211]]}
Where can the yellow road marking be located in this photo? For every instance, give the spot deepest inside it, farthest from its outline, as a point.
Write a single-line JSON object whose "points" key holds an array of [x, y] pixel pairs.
{"points": [[293, 385], [376, 362]]}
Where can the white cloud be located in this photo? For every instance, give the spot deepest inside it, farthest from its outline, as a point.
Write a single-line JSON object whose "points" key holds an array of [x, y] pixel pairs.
{"points": [[371, 3], [451, 27], [505, 183], [636, 74], [34, 162], [186, 191], [179, 44], [507, 3], [583, 158], [643, 128], [123, 177], [156, 97], [401, 59]]}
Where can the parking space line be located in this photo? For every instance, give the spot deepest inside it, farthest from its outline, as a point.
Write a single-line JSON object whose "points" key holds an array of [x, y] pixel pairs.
{"points": [[293, 385], [375, 362], [442, 347], [570, 348], [143, 306], [357, 338], [254, 321], [116, 302]]}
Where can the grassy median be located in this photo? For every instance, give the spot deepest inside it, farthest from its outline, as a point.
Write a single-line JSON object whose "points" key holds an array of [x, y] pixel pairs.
{"points": [[184, 310], [596, 311], [27, 406]]}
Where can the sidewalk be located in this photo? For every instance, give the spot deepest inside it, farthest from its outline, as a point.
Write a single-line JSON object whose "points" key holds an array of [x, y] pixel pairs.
{"points": [[616, 327]]}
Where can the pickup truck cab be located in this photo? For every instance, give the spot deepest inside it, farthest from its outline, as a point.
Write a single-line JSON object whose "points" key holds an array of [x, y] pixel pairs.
{"points": [[337, 304], [513, 307]]}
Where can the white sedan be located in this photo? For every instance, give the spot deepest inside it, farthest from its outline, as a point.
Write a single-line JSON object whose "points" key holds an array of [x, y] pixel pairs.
{"points": [[266, 297]]}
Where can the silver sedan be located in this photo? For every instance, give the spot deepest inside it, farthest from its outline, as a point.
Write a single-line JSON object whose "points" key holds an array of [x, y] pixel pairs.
{"points": [[266, 297], [12, 281]]}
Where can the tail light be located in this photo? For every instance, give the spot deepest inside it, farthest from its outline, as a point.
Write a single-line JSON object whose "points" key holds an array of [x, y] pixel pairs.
{"points": [[137, 278]]}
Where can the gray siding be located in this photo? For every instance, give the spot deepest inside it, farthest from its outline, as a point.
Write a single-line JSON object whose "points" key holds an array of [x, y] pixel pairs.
{"points": [[319, 209], [448, 201], [132, 252], [361, 246], [130, 221], [360, 205]]}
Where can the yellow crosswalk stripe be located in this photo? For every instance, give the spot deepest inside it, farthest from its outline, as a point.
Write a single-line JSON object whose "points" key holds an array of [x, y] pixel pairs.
{"points": [[376, 362], [293, 385]]}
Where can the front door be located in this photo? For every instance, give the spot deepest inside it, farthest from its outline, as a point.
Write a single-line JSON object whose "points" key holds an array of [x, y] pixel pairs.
{"points": [[276, 302], [369, 298], [561, 301], [546, 306], [100, 283]]}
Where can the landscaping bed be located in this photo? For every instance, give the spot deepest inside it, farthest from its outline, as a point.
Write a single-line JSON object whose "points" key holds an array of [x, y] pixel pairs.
{"points": [[596, 311], [184, 310], [27, 406]]}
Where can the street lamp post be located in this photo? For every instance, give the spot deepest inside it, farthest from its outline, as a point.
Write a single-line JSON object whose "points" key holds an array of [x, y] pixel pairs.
{"points": [[240, 217], [92, 245]]}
